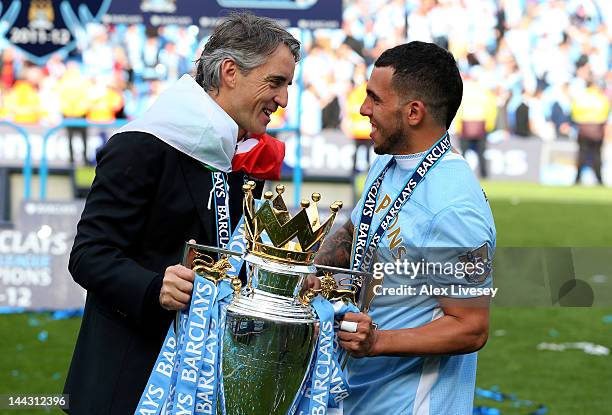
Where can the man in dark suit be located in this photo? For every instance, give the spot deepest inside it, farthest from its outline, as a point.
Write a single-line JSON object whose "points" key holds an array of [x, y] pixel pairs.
{"points": [[154, 190]]}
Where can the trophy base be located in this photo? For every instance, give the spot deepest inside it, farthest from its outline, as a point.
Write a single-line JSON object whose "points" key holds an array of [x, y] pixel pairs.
{"points": [[268, 345]]}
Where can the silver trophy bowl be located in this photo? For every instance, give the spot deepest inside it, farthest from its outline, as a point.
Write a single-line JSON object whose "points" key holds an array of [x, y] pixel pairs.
{"points": [[269, 339]]}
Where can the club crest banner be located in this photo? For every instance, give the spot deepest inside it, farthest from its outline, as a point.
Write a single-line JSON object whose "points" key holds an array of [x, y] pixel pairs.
{"points": [[41, 28]]}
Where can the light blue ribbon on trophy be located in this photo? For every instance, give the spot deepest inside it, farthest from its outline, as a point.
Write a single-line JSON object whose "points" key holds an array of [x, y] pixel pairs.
{"points": [[221, 394], [236, 244], [339, 388], [157, 389], [196, 333], [208, 383], [168, 408], [158, 395], [313, 397], [172, 385]]}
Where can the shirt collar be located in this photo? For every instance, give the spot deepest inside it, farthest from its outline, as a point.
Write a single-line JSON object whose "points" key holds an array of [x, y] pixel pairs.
{"points": [[408, 161]]}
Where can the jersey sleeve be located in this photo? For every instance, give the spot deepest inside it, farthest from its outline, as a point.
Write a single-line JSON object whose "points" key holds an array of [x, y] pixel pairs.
{"points": [[458, 250]]}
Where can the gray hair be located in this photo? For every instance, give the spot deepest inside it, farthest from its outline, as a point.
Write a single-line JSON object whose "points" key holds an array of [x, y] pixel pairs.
{"points": [[246, 39]]}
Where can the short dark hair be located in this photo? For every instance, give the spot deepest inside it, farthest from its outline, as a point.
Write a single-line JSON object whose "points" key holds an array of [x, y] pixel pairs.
{"points": [[426, 72], [246, 39]]}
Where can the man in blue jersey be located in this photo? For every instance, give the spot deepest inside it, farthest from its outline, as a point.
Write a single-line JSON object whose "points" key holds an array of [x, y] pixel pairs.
{"points": [[421, 205]]}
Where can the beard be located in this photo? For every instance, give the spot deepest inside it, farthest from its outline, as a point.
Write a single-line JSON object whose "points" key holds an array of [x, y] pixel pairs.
{"points": [[391, 141]]}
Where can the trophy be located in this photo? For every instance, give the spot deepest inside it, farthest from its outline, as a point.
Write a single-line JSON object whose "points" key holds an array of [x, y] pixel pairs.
{"points": [[270, 336]]}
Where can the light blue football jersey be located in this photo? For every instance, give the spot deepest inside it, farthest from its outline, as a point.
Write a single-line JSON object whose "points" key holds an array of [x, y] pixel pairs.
{"points": [[448, 209]]}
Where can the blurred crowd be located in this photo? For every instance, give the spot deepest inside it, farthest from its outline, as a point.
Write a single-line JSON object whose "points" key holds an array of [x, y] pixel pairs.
{"points": [[527, 65]]}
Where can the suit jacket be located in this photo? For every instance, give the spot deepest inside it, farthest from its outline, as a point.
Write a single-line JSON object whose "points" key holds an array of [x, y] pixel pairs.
{"points": [[147, 199]]}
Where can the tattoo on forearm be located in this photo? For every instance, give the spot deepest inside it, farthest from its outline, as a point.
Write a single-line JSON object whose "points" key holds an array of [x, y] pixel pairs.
{"points": [[336, 250]]}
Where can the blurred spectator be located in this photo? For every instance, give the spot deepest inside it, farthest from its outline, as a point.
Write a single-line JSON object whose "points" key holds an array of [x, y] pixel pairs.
{"points": [[358, 127], [7, 70], [522, 127], [98, 59], [312, 116], [105, 102], [74, 87], [476, 118], [22, 103], [150, 58], [539, 124], [534, 55], [590, 112], [560, 109]]}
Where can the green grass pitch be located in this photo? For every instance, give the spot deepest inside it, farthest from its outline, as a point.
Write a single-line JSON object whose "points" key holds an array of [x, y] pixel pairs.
{"points": [[568, 383]]}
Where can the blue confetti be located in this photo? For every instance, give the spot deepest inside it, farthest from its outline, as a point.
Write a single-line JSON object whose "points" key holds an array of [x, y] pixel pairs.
{"points": [[495, 395], [19, 347], [56, 376], [14, 373], [32, 322], [43, 336], [485, 410], [65, 314], [607, 319], [553, 333]]}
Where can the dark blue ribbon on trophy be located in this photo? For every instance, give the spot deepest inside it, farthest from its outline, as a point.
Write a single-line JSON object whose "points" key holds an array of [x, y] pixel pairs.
{"points": [[222, 212], [365, 242]]}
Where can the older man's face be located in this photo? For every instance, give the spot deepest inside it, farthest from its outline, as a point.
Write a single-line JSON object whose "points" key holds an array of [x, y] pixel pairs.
{"points": [[263, 90]]}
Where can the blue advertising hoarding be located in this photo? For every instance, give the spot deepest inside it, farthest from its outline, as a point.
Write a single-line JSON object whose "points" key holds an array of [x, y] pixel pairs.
{"points": [[311, 14]]}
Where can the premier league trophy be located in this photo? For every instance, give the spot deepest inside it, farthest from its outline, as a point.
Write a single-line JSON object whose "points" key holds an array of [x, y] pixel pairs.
{"points": [[270, 335]]}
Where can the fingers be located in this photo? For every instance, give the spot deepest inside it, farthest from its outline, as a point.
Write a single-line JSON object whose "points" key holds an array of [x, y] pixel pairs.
{"points": [[181, 272], [359, 343], [312, 282], [176, 289], [360, 336], [357, 317], [353, 348], [364, 322], [172, 304]]}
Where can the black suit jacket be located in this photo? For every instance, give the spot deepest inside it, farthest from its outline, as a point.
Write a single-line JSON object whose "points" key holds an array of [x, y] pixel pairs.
{"points": [[147, 199]]}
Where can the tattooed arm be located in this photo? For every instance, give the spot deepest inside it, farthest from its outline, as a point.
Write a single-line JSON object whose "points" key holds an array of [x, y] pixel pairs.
{"points": [[336, 250]]}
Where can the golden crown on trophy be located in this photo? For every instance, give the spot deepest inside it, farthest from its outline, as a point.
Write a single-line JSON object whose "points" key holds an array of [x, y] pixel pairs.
{"points": [[293, 240]]}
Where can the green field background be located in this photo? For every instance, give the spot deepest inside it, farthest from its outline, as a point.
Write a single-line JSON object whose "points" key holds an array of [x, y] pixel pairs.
{"points": [[36, 350]]}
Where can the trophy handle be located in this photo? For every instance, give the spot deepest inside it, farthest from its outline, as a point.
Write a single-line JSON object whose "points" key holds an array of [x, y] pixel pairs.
{"points": [[196, 259], [353, 288]]}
